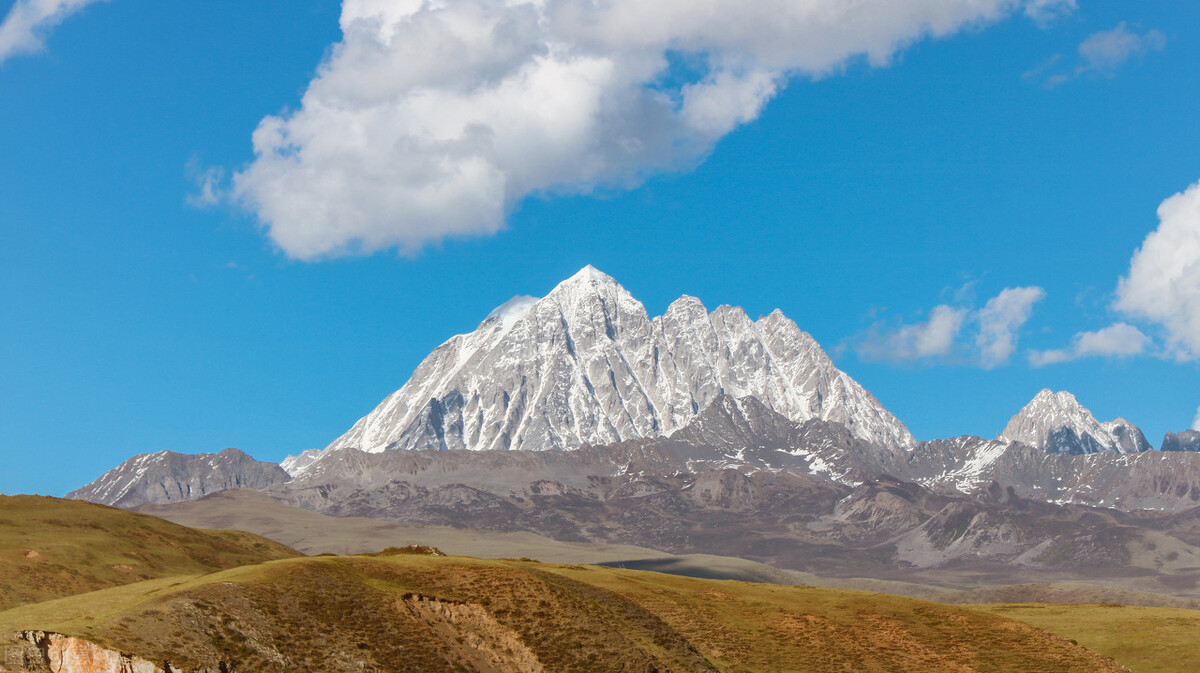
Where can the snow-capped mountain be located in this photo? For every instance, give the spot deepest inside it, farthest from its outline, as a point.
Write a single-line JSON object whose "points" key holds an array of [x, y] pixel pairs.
{"points": [[587, 365], [1058, 423]]}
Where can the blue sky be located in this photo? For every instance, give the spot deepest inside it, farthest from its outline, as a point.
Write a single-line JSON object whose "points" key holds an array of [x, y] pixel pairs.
{"points": [[857, 194]]}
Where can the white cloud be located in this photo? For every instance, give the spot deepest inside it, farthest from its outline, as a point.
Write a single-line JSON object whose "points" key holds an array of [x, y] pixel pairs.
{"points": [[1163, 282], [986, 337], [26, 24], [209, 185], [1196, 423], [1107, 50], [1047, 11], [933, 338], [435, 119], [1000, 320], [1101, 53], [1117, 340]]}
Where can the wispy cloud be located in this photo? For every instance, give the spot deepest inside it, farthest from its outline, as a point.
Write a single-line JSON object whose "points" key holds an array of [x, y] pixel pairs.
{"points": [[1119, 340], [435, 119], [209, 182], [986, 337], [25, 26], [999, 321], [1108, 50], [1045, 12], [932, 338], [1101, 54]]}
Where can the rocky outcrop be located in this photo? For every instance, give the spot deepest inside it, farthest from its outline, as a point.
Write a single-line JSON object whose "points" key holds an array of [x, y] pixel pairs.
{"points": [[1188, 440], [58, 653], [478, 642]]}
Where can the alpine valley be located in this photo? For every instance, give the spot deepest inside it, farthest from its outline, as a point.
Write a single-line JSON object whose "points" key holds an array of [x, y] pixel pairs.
{"points": [[579, 419]]}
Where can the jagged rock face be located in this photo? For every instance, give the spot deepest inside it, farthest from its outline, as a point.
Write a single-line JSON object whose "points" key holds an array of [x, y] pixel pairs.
{"points": [[1188, 440], [1058, 423], [1150, 480], [587, 365], [747, 432], [170, 477], [58, 653], [297, 464]]}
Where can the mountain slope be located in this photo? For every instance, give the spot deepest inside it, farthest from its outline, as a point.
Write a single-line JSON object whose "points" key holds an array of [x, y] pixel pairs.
{"points": [[406, 612], [587, 365], [51, 548], [1058, 423], [168, 477]]}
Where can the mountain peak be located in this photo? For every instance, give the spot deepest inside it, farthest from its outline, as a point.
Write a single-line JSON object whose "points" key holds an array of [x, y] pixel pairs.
{"points": [[1062, 399], [589, 274], [1056, 422], [586, 283], [587, 365]]}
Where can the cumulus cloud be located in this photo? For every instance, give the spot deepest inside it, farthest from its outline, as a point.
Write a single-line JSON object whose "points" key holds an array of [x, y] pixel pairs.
{"points": [[986, 337], [1196, 423], [1163, 282], [1001, 319], [26, 24], [435, 119], [1117, 340]]}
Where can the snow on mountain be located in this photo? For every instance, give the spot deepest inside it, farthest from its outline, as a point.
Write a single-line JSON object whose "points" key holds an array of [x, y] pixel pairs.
{"points": [[1058, 423], [294, 465], [587, 365]]}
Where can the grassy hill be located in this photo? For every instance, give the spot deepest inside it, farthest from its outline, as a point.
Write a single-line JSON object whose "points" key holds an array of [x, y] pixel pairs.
{"points": [[390, 612], [51, 548], [1146, 639]]}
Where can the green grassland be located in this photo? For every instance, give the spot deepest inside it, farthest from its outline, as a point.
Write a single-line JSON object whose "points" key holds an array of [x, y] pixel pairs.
{"points": [[434, 613], [51, 548], [1146, 639]]}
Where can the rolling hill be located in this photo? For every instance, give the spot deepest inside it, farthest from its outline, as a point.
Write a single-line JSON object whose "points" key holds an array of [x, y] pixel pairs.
{"points": [[399, 611], [50, 548]]}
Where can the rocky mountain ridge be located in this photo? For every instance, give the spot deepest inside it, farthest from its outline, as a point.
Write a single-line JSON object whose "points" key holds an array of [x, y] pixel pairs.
{"points": [[587, 365], [1058, 423], [167, 476], [736, 433], [1188, 440], [743, 480]]}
